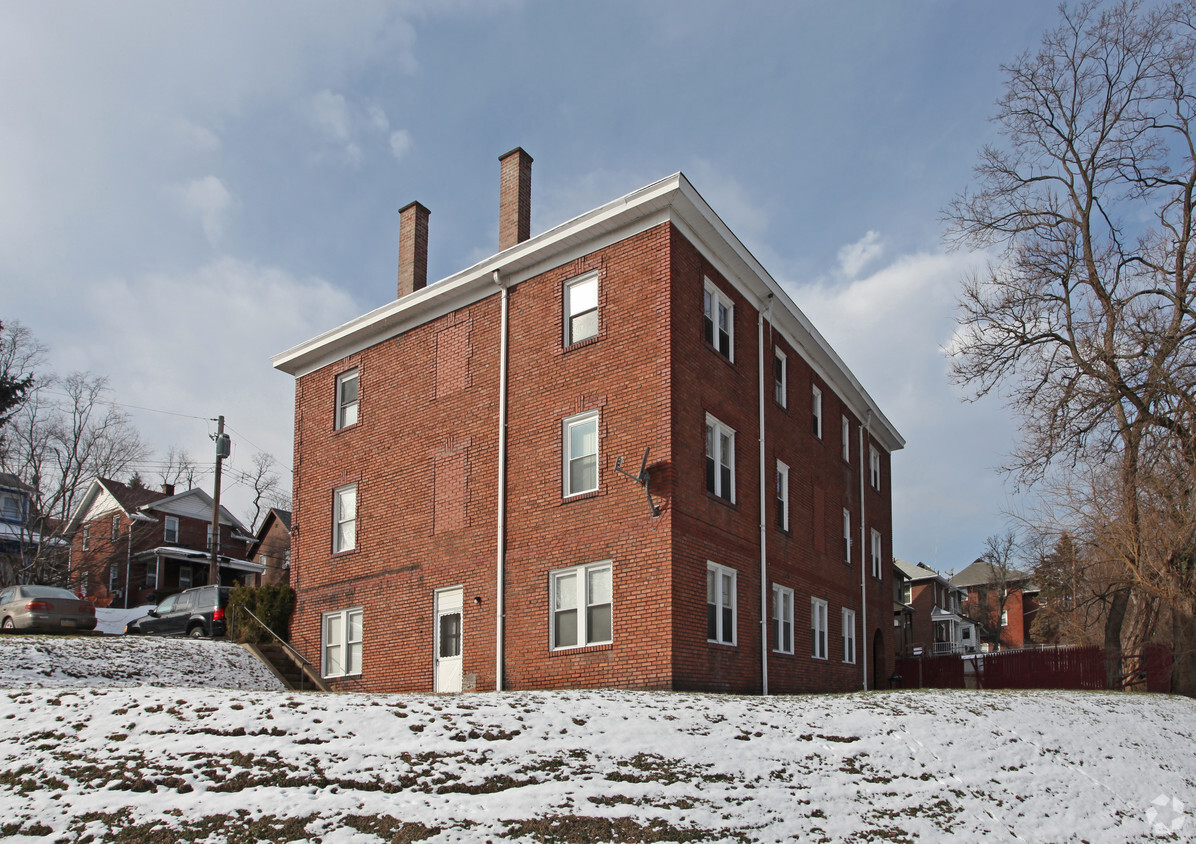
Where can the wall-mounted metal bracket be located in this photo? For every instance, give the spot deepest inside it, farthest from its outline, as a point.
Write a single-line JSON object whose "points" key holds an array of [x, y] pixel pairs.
{"points": [[643, 478]]}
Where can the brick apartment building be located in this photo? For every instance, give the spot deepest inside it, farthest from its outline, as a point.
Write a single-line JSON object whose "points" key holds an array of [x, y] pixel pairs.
{"points": [[469, 511], [132, 545]]}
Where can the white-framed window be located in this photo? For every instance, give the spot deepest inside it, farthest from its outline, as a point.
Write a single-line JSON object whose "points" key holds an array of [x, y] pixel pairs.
{"points": [[1004, 618], [115, 526], [580, 454], [874, 466], [346, 399], [344, 518], [10, 508], [846, 439], [341, 640], [582, 606], [848, 635], [782, 496], [781, 376], [151, 574], [720, 459], [876, 555], [720, 604], [184, 577], [87, 537], [170, 532], [818, 627], [782, 619], [719, 315], [581, 309], [847, 536], [816, 404], [113, 577]]}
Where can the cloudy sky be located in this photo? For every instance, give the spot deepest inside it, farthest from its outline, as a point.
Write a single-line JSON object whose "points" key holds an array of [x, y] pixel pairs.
{"points": [[189, 189]]}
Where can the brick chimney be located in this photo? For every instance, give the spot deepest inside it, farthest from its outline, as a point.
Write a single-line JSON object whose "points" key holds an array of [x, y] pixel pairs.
{"points": [[168, 489], [514, 199], [413, 248]]}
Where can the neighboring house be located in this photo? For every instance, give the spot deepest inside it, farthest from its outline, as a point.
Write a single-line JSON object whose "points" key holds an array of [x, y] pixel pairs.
{"points": [[1003, 623], [903, 613], [937, 626], [469, 510], [131, 546], [272, 547], [23, 533]]}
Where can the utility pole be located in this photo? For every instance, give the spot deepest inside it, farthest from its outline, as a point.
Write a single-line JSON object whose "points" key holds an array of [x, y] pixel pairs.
{"points": [[222, 451]]}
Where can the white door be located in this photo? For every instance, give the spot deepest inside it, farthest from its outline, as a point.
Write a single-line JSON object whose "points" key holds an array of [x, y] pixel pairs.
{"points": [[448, 640]]}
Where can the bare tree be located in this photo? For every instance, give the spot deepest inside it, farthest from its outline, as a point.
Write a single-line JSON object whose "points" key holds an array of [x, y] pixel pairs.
{"points": [[267, 488], [1087, 320], [64, 434], [179, 468]]}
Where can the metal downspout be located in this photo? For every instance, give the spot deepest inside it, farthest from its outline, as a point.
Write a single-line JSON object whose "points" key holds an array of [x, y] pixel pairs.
{"points": [[767, 305], [865, 549], [501, 540]]}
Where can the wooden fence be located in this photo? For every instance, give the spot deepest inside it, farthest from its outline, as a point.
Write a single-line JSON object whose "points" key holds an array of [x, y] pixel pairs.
{"points": [[1047, 668]]}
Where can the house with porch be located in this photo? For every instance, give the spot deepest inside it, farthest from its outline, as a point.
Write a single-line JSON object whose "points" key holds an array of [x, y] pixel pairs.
{"points": [[1001, 601], [937, 625], [132, 545]]}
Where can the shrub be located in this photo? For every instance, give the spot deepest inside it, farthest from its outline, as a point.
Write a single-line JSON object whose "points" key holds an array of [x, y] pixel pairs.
{"points": [[272, 603]]}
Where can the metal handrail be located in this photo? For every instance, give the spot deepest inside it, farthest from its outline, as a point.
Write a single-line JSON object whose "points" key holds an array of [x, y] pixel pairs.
{"points": [[281, 641]]}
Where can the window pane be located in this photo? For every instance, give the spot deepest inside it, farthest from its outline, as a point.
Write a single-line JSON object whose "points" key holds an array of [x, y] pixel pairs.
{"points": [[599, 586], [566, 592], [583, 296], [598, 624], [566, 628], [583, 474], [353, 658], [583, 326], [354, 625], [710, 587], [728, 589], [583, 438], [728, 625], [450, 635], [711, 621]]}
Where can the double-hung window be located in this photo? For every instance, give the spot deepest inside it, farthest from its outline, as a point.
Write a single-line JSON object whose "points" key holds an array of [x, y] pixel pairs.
{"points": [[580, 448], [341, 645], [782, 619], [781, 375], [581, 606], [876, 557], [720, 459], [346, 399], [151, 573], [185, 577], [818, 627], [171, 531], [115, 527], [874, 466], [581, 309], [847, 536], [782, 496], [719, 315], [816, 405], [846, 439], [720, 604], [848, 635], [344, 517], [87, 537]]}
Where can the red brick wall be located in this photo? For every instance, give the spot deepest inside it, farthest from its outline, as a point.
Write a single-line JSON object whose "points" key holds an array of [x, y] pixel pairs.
{"points": [[424, 456]]}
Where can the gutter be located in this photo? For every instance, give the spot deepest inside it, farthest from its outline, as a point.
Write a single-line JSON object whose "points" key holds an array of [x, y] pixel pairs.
{"points": [[501, 518], [865, 549], [765, 306]]}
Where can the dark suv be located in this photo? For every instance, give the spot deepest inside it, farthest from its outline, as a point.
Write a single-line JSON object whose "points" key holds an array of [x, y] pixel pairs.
{"points": [[193, 612]]}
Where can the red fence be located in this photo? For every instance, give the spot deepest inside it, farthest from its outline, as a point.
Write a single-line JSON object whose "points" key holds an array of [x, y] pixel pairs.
{"points": [[1047, 668]]}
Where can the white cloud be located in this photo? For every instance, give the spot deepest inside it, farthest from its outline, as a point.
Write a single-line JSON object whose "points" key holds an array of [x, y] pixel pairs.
{"points": [[854, 257], [400, 143], [208, 200], [199, 343], [890, 327]]}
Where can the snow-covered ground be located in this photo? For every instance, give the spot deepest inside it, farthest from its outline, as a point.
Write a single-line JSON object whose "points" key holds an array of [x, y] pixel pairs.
{"points": [[104, 760]]}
